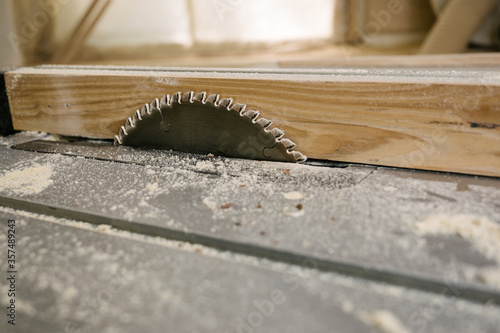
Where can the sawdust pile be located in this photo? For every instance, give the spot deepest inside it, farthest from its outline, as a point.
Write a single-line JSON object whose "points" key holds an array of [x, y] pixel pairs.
{"points": [[31, 180], [384, 320], [490, 276], [483, 234]]}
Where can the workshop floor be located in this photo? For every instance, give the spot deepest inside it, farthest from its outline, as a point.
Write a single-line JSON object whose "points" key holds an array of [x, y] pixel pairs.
{"points": [[115, 239]]}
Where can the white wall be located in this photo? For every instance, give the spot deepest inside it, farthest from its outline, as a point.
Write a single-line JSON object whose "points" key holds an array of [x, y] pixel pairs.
{"points": [[132, 23], [262, 20], [9, 56], [143, 22]]}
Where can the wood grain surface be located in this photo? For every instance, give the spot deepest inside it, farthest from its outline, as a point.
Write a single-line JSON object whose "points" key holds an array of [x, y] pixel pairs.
{"points": [[446, 120]]}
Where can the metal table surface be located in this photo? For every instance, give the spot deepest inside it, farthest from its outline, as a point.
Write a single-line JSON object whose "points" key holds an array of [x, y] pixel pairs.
{"points": [[120, 239]]}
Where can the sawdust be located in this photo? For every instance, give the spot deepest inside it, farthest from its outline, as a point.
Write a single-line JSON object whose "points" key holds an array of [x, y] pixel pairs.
{"points": [[295, 211], [294, 195], [347, 306], [205, 166], [210, 204], [390, 189], [483, 234], [21, 137], [384, 320], [489, 276], [152, 188], [31, 180], [167, 81]]}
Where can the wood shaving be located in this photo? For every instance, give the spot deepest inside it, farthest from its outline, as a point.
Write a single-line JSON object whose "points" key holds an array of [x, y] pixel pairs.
{"points": [[293, 195], [384, 320], [31, 180]]}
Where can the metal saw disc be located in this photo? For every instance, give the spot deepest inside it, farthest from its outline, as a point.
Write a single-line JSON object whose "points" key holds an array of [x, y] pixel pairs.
{"points": [[206, 125]]}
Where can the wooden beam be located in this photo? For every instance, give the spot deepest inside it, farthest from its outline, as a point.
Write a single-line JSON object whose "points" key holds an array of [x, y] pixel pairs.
{"points": [[427, 61], [446, 120]]}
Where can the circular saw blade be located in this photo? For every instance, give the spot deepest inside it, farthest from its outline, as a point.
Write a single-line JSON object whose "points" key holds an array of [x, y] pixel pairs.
{"points": [[204, 124]]}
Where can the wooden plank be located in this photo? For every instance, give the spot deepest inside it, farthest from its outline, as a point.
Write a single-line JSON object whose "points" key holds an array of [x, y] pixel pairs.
{"points": [[445, 120], [439, 61]]}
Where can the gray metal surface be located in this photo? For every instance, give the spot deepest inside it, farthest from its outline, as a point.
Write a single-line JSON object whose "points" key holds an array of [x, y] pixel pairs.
{"points": [[80, 278], [359, 221]]}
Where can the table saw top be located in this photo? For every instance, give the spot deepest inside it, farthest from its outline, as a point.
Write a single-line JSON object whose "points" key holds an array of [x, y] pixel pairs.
{"points": [[121, 239]]}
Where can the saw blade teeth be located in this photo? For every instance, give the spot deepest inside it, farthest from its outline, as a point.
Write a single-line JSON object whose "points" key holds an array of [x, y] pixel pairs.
{"points": [[145, 110], [154, 104], [177, 98], [123, 132], [129, 124], [165, 101], [299, 157], [251, 114], [240, 108], [200, 97], [213, 99], [188, 97], [288, 144], [117, 141], [225, 103], [265, 123], [137, 116], [278, 134]]}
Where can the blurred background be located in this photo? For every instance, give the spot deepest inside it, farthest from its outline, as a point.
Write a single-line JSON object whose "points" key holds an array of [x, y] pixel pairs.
{"points": [[248, 33]]}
